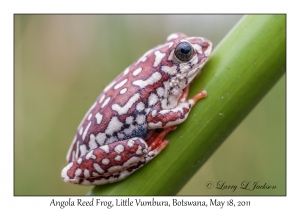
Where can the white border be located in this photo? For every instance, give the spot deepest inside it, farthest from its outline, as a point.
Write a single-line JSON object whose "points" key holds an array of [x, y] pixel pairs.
{"points": [[9, 8]]}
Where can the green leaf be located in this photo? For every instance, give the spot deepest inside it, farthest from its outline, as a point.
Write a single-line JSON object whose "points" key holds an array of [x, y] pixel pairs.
{"points": [[242, 69]]}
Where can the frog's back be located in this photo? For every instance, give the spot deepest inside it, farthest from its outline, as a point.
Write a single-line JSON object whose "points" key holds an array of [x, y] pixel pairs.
{"points": [[120, 110]]}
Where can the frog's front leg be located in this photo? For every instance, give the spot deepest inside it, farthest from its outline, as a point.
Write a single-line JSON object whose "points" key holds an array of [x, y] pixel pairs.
{"points": [[162, 118], [115, 161]]}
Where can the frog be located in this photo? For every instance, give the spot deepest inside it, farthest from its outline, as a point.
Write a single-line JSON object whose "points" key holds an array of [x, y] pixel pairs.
{"points": [[119, 133]]}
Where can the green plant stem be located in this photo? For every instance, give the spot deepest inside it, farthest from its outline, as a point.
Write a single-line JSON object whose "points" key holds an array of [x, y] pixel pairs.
{"points": [[243, 68]]}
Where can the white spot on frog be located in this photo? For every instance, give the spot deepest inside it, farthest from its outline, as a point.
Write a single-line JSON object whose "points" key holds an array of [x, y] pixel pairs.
{"points": [[105, 148], [99, 117], [171, 55], [81, 130], [90, 155], [130, 143], [152, 125], [169, 70], [126, 71], [119, 148], [172, 36], [137, 71], [98, 168], [102, 98], [120, 84], [198, 48], [121, 136], [105, 102], [127, 106], [114, 169], [129, 130], [129, 120], [82, 149], [152, 100], [140, 106], [140, 119], [158, 57], [124, 90], [78, 172], [111, 140], [100, 138], [118, 158], [113, 125], [79, 160], [86, 130], [139, 150], [155, 77], [86, 173], [105, 161], [153, 113], [92, 142], [160, 91]]}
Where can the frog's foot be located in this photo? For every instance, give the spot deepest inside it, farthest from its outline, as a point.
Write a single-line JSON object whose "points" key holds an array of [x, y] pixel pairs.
{"points": [[195, 99], [200, 95]]}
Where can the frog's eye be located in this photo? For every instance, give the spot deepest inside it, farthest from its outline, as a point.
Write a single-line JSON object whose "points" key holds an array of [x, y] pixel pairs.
{"points": [[184, 51]]}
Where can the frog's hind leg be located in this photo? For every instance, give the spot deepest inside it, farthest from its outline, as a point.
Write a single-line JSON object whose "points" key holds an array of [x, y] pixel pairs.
{"points": [[115, 161], [157, 141], [107, 163]]}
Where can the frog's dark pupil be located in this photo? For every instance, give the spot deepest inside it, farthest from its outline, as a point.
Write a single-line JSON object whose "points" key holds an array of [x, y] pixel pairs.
{"points": [[185, 49]]}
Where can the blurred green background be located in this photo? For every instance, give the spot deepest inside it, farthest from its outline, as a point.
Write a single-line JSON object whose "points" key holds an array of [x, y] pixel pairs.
{"points": [[63, 62]]}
